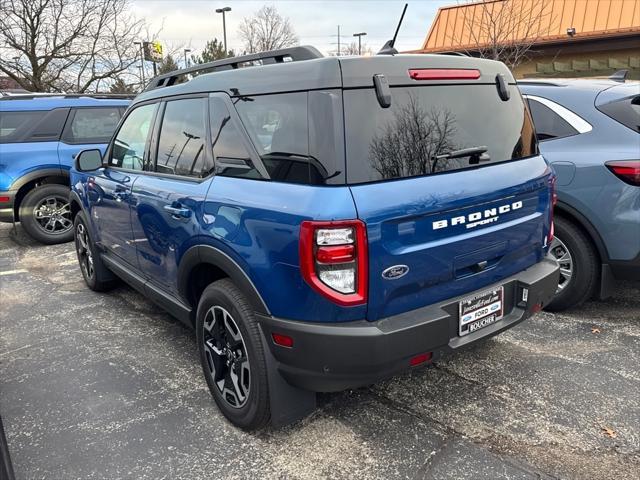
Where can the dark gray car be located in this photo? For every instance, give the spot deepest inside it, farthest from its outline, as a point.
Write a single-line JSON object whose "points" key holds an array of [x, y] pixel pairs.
{"points": [[589, 130]]}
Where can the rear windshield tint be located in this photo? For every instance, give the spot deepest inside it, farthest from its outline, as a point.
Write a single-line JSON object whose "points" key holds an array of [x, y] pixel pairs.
{"points": [[625, 111], [424, 124]]}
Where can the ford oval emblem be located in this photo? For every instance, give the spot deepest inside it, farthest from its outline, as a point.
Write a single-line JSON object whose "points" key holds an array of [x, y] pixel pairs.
{"points": [[395, 272]]}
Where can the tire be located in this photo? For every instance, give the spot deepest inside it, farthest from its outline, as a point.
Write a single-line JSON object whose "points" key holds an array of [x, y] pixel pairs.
{"points": [[245, 403], [45, 214], [95, 273], [585, 268]]}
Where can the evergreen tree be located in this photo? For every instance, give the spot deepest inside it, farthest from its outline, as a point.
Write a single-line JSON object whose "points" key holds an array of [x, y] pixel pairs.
{"points": [[168, 64], [214, 50], [120, 86]]}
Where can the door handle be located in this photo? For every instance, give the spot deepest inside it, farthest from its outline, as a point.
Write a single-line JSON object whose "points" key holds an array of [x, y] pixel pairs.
{"points": [[178, 211]]}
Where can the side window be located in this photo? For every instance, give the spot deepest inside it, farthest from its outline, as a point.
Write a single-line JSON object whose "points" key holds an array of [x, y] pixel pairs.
{"points": [[13, 123], [625, 111], [299, 136], [549, 124], [91, 125], [231, 157], [34, 126], [182, 135], [131, 140]]}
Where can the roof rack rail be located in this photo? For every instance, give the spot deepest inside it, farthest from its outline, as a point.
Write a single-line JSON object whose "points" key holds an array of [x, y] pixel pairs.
{"points": [[31, 96], [293, 54]]}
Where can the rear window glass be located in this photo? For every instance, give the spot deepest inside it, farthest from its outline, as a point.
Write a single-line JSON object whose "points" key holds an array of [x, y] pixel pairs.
{"points": [[424, 125], [14, 126], [293, 148], [625, 111], [548, 123]]}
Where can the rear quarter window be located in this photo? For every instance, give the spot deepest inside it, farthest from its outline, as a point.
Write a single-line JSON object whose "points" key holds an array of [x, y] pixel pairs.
{"points": [[424, 123], [625, 111], [32, 126], [297, 135]]}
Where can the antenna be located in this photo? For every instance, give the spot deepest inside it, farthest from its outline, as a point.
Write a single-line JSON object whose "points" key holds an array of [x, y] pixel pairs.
{"points": [[388, 48]]}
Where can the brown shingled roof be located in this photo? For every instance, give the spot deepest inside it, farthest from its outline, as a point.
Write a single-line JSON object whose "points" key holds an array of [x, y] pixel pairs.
{"points": [[590, 18]]}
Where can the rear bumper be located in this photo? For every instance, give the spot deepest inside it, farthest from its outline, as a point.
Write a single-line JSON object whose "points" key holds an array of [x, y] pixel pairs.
{"points": [[333, 357], [6, 208]]}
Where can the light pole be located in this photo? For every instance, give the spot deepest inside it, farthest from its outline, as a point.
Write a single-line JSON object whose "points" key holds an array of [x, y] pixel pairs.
{"points": [[186, 63], [141, 61], [359, 35], [223, 11]]}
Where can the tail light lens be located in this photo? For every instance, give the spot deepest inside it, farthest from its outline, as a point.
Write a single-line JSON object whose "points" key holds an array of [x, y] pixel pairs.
{"points": [[626, 170], [554, 200], [333, 260]]}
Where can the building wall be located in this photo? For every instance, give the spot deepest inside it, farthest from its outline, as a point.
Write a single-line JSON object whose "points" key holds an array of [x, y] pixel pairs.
{"points": [[580, 64]]}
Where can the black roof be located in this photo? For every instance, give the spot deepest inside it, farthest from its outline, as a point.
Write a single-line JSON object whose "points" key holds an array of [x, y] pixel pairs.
{"points": [[308, 70]]}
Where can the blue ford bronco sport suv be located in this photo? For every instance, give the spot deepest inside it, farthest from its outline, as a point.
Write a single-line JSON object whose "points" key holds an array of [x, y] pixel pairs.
{"points": [[39, 136], [323, 223]]}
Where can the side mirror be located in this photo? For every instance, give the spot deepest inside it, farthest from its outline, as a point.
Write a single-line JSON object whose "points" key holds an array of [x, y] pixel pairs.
{"points": [[88, 160]]}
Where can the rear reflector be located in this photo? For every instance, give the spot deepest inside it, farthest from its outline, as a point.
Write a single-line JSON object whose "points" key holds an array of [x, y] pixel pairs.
{"points": [[282, 340], [626, 170], [4, 199], [444, 74], [418, 359]]}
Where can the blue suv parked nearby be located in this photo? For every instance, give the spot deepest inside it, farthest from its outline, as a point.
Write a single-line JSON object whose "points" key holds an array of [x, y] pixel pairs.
{"points": [[323, 223], [39, 137], [590, 132]]}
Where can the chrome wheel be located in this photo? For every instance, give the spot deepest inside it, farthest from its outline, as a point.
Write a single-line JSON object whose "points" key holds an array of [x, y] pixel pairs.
{"points": [[560, 252], [85, 257], [53, 215], [226, 355]]}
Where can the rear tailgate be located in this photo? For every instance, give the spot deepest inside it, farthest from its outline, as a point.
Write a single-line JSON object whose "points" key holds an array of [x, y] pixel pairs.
{"points": [[406, 226], [454, 225]]}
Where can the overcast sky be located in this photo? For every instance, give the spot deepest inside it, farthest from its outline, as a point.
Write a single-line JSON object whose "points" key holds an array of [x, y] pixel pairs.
{"points": [[192, 23]]}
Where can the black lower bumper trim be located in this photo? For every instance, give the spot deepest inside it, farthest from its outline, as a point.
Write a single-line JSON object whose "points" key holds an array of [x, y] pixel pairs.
{"points": [[333, 357]]}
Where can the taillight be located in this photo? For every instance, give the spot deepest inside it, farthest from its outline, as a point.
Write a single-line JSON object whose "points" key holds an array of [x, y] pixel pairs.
{"points": [[333, 259], [444, 73], [4, 199], [554, 200], [626, 170]]}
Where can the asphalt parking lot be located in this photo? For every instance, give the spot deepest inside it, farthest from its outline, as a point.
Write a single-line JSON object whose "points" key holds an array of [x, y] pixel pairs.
{"points": [[109, 386]]}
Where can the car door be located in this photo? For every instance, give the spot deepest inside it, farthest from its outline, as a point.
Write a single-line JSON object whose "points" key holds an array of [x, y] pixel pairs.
{"points": [[167, 203], [110, 195], [86, 128]]}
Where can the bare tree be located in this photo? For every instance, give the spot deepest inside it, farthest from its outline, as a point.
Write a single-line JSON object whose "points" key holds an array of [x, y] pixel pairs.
{"points": [[352, 49], [411, 141], [66, 45], [503, 30], [267, 30]]}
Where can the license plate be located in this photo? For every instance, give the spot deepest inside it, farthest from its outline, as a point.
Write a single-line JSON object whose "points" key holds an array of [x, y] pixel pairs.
{"points": [[481, 310]]}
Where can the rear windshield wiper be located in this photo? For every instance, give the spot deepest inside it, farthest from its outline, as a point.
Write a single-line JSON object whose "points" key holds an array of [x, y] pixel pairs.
{"points": [[477, 154]]}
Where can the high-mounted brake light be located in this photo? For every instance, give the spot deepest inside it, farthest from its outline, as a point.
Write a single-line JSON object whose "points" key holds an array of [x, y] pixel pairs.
{"points": [[333, 260], [626, 170], [444, 74]]}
